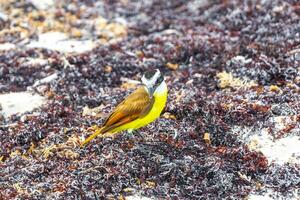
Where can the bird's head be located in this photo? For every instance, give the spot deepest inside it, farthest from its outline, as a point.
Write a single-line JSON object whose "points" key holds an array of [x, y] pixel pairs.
{"points": [[152, 80]]}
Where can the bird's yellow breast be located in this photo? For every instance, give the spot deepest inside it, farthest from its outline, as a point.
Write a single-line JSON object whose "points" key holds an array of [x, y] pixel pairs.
{"points": [[160, 96]]}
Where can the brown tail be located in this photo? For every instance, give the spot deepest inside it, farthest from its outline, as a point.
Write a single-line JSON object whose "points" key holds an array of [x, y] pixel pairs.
{"points": [[97, 132]]}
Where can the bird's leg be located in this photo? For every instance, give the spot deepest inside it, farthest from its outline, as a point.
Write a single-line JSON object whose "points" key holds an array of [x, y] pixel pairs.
{"points": [[130, 133], [134, 132]]}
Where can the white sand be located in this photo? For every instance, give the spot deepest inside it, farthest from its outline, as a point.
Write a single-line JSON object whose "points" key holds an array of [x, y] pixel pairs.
{"points": [[60, 42], [19, 102], [43, 4], [7, 46], [280, 151]]}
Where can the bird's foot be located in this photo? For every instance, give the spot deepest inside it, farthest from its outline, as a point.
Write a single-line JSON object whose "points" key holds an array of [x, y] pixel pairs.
{"points": [[132, 134]]}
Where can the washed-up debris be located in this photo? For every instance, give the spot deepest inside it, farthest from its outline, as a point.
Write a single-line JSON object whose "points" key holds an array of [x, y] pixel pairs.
{"points": [[172, 66], [228, 81]]}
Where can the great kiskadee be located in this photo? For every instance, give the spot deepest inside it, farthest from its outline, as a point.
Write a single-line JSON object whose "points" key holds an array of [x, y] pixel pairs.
{"points": [[140, 108]]}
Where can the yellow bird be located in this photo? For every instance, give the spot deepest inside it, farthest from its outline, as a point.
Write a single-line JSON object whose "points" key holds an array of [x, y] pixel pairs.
{"points": [[140, 108]]}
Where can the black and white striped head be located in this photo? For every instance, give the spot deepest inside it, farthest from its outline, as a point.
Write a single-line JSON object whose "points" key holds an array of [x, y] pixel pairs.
{"points": [[152, 80]]}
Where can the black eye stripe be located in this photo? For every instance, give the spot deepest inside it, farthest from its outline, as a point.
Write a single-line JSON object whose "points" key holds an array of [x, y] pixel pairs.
{"points": [[149, 74], [158, 81]]}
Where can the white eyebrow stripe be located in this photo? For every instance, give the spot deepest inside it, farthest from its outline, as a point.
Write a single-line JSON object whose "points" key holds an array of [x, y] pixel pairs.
{"points": [[155, 77], [147, 82]]}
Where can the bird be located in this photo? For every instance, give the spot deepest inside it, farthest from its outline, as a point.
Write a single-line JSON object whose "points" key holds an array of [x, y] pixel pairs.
{"points": [[141, 107]]}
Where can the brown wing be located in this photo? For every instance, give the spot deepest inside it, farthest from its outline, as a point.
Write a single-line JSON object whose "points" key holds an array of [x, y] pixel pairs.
{"points": [[136, 105]]}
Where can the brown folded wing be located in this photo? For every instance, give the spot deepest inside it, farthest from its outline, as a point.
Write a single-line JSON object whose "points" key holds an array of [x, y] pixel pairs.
{"points": [[136, 105]]}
